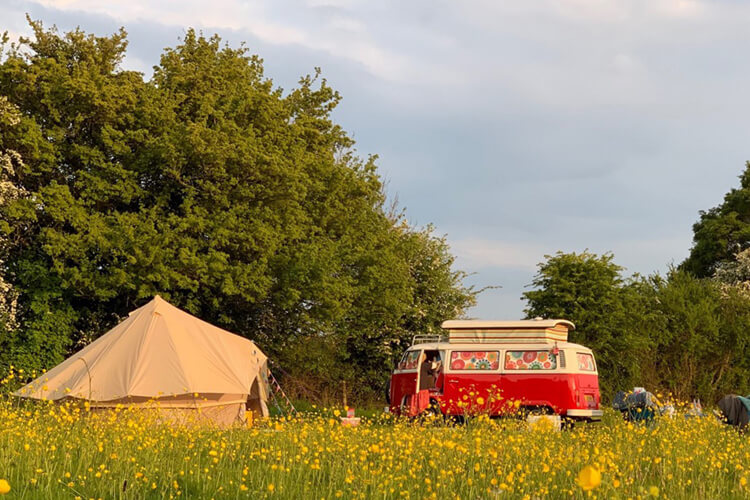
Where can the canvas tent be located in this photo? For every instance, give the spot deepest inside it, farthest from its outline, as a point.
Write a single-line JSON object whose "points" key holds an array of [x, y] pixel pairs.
{"points": [[162, 357]]}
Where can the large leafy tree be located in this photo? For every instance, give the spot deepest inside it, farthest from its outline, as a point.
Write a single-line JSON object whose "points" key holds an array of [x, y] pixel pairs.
{"points": [[589, 290], [676, 333], [77, 132], [721, 231], [239, 202], [583, 287], [698, 332]]}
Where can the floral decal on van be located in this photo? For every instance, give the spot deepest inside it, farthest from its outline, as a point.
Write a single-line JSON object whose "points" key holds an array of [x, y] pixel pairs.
{"points": [[410, 360], [530, 360], [475, 360], [586, 362]]}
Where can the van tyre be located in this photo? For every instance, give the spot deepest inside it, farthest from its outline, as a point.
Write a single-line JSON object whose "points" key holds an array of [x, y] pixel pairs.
{"points": [[433, 410], [567, 424], [431, 414]]}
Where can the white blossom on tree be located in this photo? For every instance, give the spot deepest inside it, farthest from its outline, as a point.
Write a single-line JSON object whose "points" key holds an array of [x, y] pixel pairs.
{"points": [[10, 161]]}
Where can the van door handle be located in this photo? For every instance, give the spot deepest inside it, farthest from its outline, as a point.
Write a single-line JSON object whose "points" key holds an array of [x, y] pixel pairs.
{"points": [[453, 380]]}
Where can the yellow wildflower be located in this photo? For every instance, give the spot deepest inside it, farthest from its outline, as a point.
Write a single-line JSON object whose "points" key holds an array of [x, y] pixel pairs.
{"points": [[589, 478]]}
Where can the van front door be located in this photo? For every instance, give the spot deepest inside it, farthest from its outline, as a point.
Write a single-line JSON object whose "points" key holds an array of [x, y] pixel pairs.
{"points": [[405, 380]]}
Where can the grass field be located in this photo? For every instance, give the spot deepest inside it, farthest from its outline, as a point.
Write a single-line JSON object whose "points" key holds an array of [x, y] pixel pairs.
{"points": [[57, 451]]}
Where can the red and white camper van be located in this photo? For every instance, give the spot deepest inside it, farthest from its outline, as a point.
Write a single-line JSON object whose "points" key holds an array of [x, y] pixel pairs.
{"points": [[497, 368]]}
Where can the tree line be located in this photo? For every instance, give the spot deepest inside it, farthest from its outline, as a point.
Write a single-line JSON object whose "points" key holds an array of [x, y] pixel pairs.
{"points": [[685, 333], [238, 201], [248, 206]]}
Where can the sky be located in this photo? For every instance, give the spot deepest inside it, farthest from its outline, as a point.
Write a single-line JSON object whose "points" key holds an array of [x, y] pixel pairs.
{"points": [[516, 128]]}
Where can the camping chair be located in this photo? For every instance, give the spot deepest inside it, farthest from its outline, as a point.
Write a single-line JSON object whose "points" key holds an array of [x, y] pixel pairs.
{"points": [[636, 406]]}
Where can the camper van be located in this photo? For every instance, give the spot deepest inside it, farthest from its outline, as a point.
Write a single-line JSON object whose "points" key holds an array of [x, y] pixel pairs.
{"points": [[497, 368]]}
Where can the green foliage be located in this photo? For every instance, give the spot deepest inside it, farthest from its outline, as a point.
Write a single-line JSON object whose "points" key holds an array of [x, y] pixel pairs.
{"points": [[589, 290], [679, 334], [721, 231], [684, 333], [698, 331], [583, 285], [238, 202]]}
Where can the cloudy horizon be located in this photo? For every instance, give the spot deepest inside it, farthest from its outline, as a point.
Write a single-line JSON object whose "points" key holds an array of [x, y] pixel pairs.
{"points": [[517, 128]]}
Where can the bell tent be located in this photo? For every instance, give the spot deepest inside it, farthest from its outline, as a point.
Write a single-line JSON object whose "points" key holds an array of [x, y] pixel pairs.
{"points": [[162, 357]]}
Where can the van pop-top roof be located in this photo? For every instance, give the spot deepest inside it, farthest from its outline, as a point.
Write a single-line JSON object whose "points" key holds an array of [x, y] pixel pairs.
{"points": [[522, 331]]}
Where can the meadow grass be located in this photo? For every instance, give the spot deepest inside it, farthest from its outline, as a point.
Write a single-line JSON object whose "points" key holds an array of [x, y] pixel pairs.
{"points": [[63, 451]]}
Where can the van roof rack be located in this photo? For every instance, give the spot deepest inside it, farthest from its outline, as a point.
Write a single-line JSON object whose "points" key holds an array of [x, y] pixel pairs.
{"points": [[428, 338]]}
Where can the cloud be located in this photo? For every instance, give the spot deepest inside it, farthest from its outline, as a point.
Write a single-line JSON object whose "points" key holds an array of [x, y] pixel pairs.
{"points": [[517, 128], [626, 63], [336, 33], [594, 11], [477, 253]]}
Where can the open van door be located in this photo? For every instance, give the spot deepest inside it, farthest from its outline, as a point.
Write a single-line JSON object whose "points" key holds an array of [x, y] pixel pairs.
{"points": [[405, 380]]}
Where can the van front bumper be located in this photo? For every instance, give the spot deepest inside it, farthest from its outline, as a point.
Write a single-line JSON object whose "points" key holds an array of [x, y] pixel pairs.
{"points": [[592, 414]]}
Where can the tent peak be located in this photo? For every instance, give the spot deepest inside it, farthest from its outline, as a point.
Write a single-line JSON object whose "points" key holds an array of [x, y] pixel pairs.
{"points": [[159, 303]]}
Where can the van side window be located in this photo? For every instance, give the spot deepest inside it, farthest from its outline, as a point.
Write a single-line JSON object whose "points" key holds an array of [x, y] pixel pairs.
{"points": [[410, 360], [530, 360], [475, 360], [586, 362]]}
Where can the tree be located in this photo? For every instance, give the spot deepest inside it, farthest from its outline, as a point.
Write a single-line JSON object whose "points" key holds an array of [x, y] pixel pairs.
{"points": [[698, 329], [10, 161], [75, 134], [736, 272], [589, 290], [721, 231], [676, 333], [434, 291], [239, 202]]}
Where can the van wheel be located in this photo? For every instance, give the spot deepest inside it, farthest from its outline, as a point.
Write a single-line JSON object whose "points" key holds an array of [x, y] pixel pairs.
{"points": [[567, 424], [455, 419], [403, 407], [432, 413], [433, 410]]}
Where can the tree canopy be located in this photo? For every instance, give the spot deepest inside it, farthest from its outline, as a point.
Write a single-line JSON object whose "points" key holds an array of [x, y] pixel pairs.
{"points": [[589, 290], [676, 333], [244, 204], [722, 231]]}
